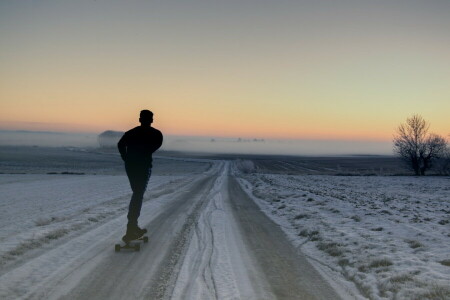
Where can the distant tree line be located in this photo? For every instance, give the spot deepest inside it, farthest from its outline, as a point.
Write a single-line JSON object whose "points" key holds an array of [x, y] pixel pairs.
{"points": [[419, 149]]}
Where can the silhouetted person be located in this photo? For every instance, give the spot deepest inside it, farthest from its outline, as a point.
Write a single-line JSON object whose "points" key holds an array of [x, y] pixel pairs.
{"points": [[136, 147]]}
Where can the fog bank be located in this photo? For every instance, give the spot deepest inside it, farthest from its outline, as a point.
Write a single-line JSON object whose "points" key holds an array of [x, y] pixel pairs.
{"points": [[205, 144], [277, 147], [47, 139]]}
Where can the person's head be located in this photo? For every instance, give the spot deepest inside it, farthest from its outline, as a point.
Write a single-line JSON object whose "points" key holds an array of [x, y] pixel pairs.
{"points": [[146, 117]]}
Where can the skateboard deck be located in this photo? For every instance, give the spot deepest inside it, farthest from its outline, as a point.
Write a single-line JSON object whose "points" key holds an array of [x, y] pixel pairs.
{"points": [[132, 244]]}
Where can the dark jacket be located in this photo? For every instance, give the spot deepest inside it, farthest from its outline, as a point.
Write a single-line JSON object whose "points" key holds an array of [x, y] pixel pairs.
{"points": [[137, 145]]}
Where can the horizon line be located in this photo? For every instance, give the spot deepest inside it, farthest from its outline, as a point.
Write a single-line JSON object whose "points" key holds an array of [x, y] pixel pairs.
{"points": [[201, 136]]}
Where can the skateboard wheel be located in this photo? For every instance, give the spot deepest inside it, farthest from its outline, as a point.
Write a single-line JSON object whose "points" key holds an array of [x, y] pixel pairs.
{"points": [[137, 247], [145, 239], [117, 248]]}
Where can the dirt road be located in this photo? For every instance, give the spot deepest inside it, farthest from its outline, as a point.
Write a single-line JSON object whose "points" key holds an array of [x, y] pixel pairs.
{"points": [[208, 240]]}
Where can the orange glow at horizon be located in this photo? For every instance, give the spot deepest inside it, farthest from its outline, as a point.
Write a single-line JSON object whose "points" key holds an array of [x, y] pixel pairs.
{"points": [[303, 73]]}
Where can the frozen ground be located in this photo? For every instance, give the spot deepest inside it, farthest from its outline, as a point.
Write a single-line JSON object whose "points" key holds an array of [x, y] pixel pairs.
{"points": [[349, 237], [83, 161], [37, 209], [207, 238], [388, 235]]}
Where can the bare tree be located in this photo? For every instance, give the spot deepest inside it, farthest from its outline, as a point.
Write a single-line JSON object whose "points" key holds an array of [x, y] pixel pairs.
{"points": [[416, 147], [444, 161]]}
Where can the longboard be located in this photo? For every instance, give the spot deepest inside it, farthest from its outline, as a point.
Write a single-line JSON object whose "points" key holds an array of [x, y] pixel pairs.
{"points": [[131, 245]]}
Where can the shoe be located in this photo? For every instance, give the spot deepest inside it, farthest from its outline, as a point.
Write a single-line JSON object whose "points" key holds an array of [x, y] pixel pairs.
{"points": [[141, 231], [133, 233], [131, 236]]}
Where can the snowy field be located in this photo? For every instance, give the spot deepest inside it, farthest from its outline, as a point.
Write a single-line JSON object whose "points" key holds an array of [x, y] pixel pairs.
{"points": [[372, 237], [50, 196], [37, 210], [386, 236]]}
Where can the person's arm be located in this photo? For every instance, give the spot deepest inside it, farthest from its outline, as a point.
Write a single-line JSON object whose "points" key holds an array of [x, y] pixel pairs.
{"points": [[122, 145], [157, 141]]}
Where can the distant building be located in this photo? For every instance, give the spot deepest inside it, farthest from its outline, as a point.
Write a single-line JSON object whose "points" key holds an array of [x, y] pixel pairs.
{"points": [[249, 140], [109, 138]]}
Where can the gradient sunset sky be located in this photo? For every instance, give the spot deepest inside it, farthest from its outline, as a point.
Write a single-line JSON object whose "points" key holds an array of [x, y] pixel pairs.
{"points": [[259, 69]]}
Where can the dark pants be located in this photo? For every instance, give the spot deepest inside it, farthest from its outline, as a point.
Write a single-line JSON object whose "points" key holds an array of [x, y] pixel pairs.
{"points": [[138, 176]]}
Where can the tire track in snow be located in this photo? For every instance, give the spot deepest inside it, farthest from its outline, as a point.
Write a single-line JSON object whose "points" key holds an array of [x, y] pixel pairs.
{"points": [[161, 287], [206, 271]]}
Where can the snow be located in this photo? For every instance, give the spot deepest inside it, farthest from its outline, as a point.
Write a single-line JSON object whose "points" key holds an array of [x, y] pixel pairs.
{"points": [[376, 237], [384, 237], [216, 257], [57, 229], [204, 256], [39, 212]]}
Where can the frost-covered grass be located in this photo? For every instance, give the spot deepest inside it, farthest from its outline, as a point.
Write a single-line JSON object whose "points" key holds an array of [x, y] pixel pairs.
{"points": [[48, 194], [38, 210], [387, 236]]}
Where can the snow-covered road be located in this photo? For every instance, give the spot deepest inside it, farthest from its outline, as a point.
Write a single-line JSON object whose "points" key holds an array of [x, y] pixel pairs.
{"points": [[207, 240]]}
